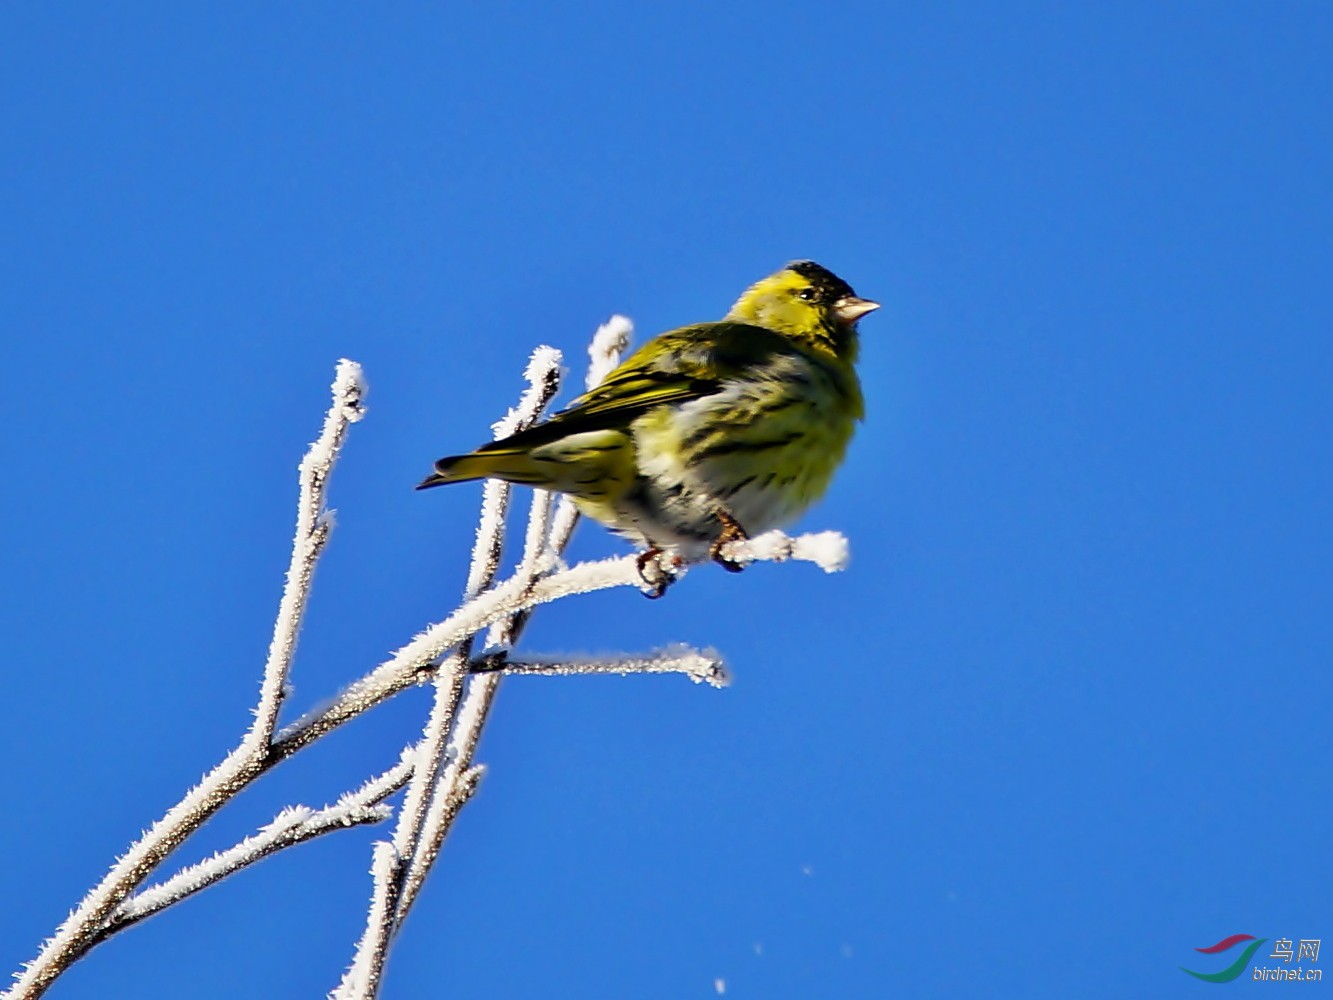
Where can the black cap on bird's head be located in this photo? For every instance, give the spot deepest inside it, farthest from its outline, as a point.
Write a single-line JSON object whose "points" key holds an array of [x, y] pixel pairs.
{"points": [[828, 285], [830, 290]]}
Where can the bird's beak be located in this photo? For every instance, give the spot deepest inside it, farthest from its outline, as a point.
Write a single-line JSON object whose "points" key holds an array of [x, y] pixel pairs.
{"points": [[850, 309]]}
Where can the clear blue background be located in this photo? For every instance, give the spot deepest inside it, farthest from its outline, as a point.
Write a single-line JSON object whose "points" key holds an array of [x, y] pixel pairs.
{"points": [[1064, 720]]}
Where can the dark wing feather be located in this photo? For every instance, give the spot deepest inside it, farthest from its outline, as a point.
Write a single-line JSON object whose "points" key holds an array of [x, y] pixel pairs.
{"points": [[676, 367]]}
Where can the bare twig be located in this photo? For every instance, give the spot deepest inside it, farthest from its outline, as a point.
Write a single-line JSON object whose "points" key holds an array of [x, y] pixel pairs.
{"points": [[392, 867], [82, 929], [439, 771], [472, 715], [700, 667], [313, 526], [543, 544], [452, 732], [416, 660], [294, 825]]}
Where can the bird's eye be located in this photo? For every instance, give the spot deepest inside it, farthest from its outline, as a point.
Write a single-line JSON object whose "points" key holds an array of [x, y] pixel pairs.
{"points": [[806, 293]]}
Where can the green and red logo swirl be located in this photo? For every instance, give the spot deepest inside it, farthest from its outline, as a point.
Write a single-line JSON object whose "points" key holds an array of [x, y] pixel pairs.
{"points": [[1233, 970]]}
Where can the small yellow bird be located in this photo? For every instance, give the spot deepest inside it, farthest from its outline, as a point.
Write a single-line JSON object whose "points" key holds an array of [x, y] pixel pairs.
{"points": [[706, 433]]}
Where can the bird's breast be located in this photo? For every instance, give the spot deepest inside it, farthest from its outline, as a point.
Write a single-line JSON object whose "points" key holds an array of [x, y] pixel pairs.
{"points": [[763, 448]]}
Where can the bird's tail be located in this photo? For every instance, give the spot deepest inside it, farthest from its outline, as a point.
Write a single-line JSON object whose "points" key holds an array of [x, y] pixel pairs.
{"points": [[512, 466]]}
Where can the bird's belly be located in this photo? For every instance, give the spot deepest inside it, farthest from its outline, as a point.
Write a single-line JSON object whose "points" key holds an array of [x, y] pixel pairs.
{"points": [[773, 487], [762, 471]]}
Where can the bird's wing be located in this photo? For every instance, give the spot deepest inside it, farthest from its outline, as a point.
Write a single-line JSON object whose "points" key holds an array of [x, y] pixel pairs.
{"points": [[676, 367]]}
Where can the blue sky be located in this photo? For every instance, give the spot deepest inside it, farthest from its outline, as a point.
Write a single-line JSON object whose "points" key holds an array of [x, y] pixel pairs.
{"points": [[1064, 719]]}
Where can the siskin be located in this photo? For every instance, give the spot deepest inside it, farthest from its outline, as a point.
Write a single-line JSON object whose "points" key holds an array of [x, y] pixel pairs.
{"points": [[708, 432]]}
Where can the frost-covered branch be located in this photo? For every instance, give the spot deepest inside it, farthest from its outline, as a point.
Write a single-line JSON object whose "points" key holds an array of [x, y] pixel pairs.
{"points": [[439, 772], [416, 660], [475, 708], [544, 543], [393, 862], [293, 825], [543, 376], [701, 667], [84, 927], [314, 523], [608, 346], [826, 549], [455, 730]]}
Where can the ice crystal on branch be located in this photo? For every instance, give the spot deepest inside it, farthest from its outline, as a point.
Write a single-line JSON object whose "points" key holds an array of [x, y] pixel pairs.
{"points": [[437, 771]]}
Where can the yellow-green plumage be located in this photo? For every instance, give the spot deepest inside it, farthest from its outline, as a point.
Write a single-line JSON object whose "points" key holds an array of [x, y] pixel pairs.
{"points": [[708, 431]]}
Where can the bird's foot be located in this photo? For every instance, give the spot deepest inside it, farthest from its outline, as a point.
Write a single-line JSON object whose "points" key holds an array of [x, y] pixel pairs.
{"points": [[731, 532], [658, 571]]}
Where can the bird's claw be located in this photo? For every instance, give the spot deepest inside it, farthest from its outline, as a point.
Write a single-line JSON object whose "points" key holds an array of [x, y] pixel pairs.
{"points": [[730, 565], [731, 532], [662, 574], [658, 571]]}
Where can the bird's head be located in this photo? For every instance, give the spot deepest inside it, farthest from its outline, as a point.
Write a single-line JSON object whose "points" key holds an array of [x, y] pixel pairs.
{"points": [[806, 302]]}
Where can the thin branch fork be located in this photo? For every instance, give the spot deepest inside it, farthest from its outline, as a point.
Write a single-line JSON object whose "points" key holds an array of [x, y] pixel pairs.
{"points": [[396, 867], [82, 928], [438, 771], [297, 824], [453, 731]]}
